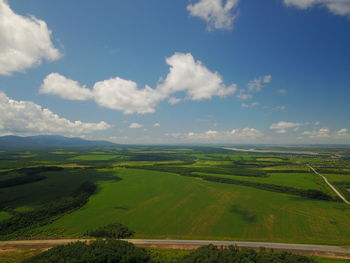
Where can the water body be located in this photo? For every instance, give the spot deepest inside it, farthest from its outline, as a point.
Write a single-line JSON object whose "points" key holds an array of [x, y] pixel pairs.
{"points": [[271, 151]]}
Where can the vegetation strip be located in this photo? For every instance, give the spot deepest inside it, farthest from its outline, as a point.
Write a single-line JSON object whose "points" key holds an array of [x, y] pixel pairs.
{"points": [[25, 175], [302, 248], [330, 185]]}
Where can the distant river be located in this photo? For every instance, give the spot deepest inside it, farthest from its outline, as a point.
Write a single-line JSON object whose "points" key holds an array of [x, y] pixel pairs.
{"points": [[271, 151]]}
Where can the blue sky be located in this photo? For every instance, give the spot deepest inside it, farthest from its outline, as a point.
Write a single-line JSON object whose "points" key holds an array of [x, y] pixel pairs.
{"points": [[217, 71]]}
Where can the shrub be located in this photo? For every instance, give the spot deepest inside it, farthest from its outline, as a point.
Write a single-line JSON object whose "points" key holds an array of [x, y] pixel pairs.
{"points": [[101, 251], [114, 230]]}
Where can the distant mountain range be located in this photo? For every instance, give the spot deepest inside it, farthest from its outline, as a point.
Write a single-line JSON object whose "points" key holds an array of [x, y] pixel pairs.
{"points": [[48, 141]]}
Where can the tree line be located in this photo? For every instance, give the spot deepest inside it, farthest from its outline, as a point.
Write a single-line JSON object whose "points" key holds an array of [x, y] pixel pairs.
{"points": [[116, 251], [21, 221], [25, 175]]}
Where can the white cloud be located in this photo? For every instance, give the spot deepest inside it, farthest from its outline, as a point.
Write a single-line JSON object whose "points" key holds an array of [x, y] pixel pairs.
{"points": [[251, 105], [135, 125], [342, 132], [321, 133], [186, 75], [282, 126], [247, 132], [156, 124], [267, 79], [244, 96], [174, 100], [337, 7], [257, 84], [282, 131], [25, 117], [325, 133], [193, 78], [25, 41], [124, 95], [65, 88], [212, 136], [219, 14]]}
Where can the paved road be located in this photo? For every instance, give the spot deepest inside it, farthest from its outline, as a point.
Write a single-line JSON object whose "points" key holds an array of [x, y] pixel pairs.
{"points": [[330, 185], [169, 243]]}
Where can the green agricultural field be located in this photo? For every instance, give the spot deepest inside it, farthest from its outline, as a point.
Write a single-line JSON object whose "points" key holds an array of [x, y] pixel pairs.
{"points": [[163, 205], [160, 194]]}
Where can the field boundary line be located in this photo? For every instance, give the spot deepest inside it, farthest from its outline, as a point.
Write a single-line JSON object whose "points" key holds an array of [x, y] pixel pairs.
{"points": [[330, 185]]}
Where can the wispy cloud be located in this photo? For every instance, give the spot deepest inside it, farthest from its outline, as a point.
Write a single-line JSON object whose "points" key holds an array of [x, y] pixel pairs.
{"points": [[213, 136], [337, 7]]}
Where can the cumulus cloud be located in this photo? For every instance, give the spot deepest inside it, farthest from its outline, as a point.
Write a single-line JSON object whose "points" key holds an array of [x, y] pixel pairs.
{"points": [[212, 136], [219, 14], [124, 95], [65, 88], [186, 75], [337, 7], [135, 125], [192, 77], [25, 41], [156, 124], [25, 117]]}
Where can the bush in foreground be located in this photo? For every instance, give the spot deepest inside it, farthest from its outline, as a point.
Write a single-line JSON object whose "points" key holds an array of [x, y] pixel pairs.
{"points": [[212, 254], [114, 230], [117, 251], [101, 251]]}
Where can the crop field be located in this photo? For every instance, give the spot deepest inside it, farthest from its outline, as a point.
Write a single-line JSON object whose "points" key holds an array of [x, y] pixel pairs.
{"points": [[178, 192]]}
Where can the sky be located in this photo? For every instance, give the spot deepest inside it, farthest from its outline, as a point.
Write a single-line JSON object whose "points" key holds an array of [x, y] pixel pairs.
{"points": [[174, 72]]}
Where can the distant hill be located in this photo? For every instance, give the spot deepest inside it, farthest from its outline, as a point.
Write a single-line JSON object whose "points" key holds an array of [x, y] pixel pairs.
{"points": [[48, 141]]}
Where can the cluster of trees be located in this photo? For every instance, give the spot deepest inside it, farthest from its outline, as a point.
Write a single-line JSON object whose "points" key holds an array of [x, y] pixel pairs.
{"points": [[25, 175], [101, 251], [116, 251], [114, 230], [212, 254], [21, 180], [47, 212]]}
